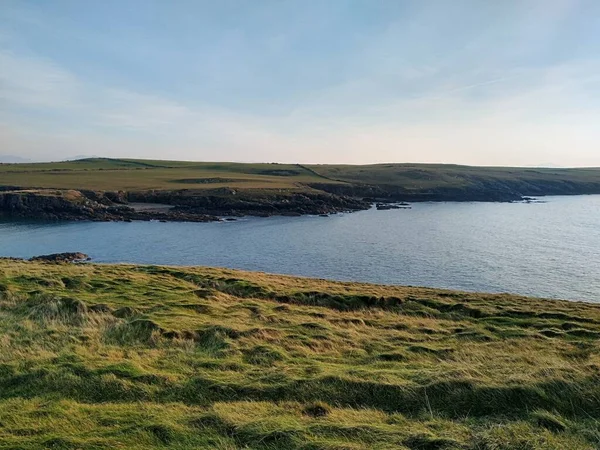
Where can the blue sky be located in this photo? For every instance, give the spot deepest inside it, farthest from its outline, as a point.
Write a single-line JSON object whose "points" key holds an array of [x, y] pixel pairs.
{"points": [[471, 82]]}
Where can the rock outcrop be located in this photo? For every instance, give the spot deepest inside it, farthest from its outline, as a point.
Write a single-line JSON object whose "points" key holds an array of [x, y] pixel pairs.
{"points": [[477, 189], [229, 202], [62, 257], [81, 205], [187, 205]]}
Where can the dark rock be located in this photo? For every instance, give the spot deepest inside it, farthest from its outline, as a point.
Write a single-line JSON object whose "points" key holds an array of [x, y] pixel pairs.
{"points": [[62, 257], [189, 205], [386, 206], [117, 197], [87, 205]]}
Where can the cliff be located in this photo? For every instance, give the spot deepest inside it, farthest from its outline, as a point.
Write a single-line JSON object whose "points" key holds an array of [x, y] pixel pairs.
{"points": [[105, 189], [173, 205], [74, 205]]}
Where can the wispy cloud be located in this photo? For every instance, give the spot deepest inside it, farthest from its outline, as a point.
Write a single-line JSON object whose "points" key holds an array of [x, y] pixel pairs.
{"points": [[446, 126], [417, 88], [34, 82]]}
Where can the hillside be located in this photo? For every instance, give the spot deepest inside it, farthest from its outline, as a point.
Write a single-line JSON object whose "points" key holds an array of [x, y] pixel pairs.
{"points": [[203, 191], [423, 182], [104, 189], [103, 174], [120, 356]]}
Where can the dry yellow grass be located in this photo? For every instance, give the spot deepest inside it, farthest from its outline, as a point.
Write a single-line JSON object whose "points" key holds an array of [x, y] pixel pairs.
{"points": [[98, 356]]}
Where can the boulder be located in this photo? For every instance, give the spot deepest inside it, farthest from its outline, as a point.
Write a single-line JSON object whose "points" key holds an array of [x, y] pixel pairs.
{"points": [[62, 257]]}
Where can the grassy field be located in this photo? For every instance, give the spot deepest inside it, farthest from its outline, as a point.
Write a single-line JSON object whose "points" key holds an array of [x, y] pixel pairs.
{"points": [[141, 175], [428, 176], [128, 175], [119, 356]]}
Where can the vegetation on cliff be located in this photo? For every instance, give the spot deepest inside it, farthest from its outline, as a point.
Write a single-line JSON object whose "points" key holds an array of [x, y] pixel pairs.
{"points": [[103, 189], [120, 356], [449, 182], [420, 181], [199, 190]]}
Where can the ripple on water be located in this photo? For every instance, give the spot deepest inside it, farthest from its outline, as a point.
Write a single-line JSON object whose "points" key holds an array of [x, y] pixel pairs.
{"points": [[546, 249]]}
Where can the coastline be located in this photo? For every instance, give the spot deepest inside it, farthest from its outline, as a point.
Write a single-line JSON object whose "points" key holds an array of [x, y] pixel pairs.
{"points": [[180, 206], [101, 189]]}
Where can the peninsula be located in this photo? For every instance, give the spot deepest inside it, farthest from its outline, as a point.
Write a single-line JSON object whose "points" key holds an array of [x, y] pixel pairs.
{"points": [[124, 189]]}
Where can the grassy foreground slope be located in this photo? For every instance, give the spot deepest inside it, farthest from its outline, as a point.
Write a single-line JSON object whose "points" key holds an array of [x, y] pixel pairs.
{"points": [[119, 356]]}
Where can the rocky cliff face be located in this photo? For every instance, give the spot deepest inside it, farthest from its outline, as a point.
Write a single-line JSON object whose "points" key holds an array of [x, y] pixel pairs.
{"points": [[74, 205], [477, 189], [43, 205], [200, 205], [195, 206], [228, 202], [390, 193]]}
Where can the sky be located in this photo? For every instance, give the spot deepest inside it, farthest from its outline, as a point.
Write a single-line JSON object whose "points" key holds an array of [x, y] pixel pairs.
{"points": [[311, 81]]}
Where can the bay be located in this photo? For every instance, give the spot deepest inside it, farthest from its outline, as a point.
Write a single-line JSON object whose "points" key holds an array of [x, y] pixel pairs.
{"points": [[548, 249]]}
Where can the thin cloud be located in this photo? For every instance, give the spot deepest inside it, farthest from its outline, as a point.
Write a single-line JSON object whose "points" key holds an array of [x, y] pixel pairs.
{"points": [[416, 88]]}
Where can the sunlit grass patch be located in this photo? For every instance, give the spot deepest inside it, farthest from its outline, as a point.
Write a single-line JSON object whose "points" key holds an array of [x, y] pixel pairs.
{"points": [[95, 356]]}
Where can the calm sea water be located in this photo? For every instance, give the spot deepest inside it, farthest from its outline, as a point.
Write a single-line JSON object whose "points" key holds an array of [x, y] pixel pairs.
{"points": [[549, 249]]}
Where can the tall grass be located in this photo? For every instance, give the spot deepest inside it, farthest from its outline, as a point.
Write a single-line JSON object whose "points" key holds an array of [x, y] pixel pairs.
{"points": [[95, 356]]}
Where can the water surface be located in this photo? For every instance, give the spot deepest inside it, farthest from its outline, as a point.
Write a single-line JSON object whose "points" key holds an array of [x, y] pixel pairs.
{"points": [[549, 249]]}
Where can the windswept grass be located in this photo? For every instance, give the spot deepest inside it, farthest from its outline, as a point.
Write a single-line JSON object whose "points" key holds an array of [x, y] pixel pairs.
{"points": [[105, 174], [119, 356], [432, 176], [142, 175]]}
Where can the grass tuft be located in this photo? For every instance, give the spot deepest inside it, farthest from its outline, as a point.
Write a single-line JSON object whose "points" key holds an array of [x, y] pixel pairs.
{"points": [[317, 409], [263, 355], [549, 421]]}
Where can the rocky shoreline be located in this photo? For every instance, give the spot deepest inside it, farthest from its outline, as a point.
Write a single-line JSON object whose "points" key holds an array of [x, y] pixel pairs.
{"points": [[479, 189], [179, 206], [208, 205], [55, 258], [76, 206]]}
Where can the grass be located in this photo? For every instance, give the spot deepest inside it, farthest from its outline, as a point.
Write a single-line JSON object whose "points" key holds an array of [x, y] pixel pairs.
{"points": [[142, 175], [121, 356], [417, 177]]}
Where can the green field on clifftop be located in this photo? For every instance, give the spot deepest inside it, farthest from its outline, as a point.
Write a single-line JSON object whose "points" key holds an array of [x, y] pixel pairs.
{"points": [[431, 176], [139, 175], [121, 356]]}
